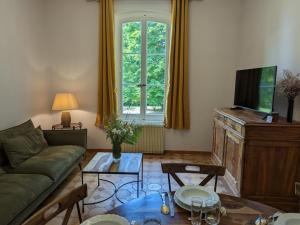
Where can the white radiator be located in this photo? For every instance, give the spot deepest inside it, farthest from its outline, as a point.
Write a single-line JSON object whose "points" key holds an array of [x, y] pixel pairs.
{"points": [[151, 140]]}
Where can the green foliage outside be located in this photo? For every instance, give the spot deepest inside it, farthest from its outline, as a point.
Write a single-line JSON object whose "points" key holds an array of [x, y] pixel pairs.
{"points": [[266, 90], [155, 63]]}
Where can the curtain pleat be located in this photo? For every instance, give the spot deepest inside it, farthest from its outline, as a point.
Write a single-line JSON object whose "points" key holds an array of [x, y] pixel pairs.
{"points": [[107, 103], [177, 114]]}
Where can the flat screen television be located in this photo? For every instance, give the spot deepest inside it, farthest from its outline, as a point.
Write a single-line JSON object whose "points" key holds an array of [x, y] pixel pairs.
{"points": [[255, 88]]}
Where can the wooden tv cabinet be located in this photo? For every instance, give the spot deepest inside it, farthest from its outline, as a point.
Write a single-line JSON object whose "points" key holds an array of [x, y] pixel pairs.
{"points": [[262, 159]]}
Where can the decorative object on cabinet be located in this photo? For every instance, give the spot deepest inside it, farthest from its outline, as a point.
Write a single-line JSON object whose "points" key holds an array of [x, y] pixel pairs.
{"points": [[290, 87], [261, 159], [63, 102]]}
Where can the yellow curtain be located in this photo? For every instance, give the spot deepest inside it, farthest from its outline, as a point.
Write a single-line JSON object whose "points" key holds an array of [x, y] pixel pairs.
{"points": [[107, 103], [177, 108]]}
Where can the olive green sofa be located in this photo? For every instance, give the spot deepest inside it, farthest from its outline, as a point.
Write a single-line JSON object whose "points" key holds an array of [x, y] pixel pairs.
{"points": [[25, 187]]}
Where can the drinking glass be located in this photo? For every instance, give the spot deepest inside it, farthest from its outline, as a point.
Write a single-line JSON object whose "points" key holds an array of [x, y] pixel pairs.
{"points": [[196, 211], [213, 215]]}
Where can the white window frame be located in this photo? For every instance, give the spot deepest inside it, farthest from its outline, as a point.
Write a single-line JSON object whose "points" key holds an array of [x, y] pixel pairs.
{"points": [[142, 17]]}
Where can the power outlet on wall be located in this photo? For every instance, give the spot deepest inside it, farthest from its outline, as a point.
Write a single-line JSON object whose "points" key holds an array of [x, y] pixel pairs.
{"points": [[297, 189]]}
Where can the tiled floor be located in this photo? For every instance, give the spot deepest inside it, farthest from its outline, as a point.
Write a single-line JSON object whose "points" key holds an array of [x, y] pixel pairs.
{"points": [[154, 181]]}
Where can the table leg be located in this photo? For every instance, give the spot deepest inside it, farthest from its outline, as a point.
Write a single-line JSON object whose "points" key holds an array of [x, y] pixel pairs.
{"points": [[142, 172], [138, 185], [82, 199]]}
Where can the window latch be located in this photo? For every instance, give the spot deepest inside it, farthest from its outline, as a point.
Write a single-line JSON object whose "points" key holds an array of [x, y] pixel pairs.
{"points": [[141, 85]]}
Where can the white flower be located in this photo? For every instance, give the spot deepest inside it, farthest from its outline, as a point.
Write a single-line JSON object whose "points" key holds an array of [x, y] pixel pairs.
{"points": [[114, 131]]}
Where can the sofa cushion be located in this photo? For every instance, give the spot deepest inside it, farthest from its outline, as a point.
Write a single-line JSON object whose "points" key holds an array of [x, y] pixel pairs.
{"points": [[22, 147], [17, 191], [10, 133], [52, 161]]}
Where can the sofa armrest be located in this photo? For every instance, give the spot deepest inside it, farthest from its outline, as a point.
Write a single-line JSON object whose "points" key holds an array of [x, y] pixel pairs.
{"points": [[66, 137]]}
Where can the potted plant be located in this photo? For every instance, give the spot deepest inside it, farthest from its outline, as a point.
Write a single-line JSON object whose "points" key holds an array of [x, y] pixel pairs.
{"points": [[119, 131], [290, 87]]}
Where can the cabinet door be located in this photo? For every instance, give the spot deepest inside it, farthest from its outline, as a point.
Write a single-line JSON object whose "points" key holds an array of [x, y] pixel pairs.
{"points": [[218, 141], [233, 158]]}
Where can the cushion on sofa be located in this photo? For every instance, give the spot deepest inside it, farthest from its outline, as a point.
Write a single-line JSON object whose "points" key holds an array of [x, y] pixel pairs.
{"points": [[10, 133], [17, 191], [52, 161], [24, 146]]}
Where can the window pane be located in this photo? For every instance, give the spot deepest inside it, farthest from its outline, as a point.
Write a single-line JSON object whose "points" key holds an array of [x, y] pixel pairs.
{"points": [[155, 99], [133, 62], [265, 99], [156, 67], [267, 78], [131, 37], [131, 99], [156, 37], [131, 69]]}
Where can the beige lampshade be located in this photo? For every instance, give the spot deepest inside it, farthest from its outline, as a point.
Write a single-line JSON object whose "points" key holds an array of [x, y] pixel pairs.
{"points": [[65, 101]]}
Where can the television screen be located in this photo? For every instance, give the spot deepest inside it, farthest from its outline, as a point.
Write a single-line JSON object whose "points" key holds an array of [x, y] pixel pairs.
{"points": [[255, 88]]}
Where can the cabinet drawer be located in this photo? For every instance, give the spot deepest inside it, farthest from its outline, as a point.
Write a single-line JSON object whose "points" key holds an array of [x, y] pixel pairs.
{"points": [[234, 125], [219, 117]]}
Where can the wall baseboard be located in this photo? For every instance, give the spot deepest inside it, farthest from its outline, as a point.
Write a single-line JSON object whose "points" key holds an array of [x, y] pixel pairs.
{"points": [[188, 152], [94, 150]]}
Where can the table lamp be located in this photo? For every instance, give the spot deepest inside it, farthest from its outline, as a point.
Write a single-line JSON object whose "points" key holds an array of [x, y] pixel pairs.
{"points": [[63, 102]]}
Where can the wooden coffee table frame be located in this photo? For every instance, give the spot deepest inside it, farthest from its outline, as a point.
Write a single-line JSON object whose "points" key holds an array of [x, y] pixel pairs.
{"points": [[139, 175]]}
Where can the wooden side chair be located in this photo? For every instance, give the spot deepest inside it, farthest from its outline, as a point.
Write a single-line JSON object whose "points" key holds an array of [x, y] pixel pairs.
{"points": [[209, 170], [66, 202]]}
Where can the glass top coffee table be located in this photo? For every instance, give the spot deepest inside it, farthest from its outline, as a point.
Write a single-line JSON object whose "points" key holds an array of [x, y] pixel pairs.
{"points": [[102, 163]]}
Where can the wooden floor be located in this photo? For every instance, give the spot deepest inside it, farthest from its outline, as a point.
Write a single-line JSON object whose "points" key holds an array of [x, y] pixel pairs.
{"points": [[154, 181]]}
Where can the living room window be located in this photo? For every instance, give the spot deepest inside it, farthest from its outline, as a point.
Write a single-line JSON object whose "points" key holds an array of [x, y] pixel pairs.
{"points": [[143, 56]]}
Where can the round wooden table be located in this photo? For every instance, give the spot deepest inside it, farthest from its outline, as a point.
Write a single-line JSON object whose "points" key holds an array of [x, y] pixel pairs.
{"points": [[239, 211]]}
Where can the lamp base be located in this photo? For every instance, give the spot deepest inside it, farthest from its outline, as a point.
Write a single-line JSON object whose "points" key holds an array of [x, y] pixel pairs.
{"points": [[66, 119]]}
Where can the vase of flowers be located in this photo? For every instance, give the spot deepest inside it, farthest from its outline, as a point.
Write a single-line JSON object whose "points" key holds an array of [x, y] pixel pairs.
{"points": [[290, 87], [116, 151], [119, 131]]}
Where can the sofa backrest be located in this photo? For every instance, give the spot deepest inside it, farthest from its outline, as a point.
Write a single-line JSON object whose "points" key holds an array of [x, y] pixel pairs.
{"points": [[10, 133]]}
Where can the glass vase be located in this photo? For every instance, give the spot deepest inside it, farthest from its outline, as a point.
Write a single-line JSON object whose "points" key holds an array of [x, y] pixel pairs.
{"points": [[290, 109], [116, 152]]}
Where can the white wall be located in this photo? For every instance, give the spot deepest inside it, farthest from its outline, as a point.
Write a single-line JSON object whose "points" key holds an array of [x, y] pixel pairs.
{"points": [[23, 70], [214, 26], [73, 55], [47, 46], [72, 31], [271, 36]]}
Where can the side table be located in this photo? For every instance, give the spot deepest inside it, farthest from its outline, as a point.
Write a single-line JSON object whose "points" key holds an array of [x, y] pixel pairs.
{"points": [[73, 126], [66, 137]]}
